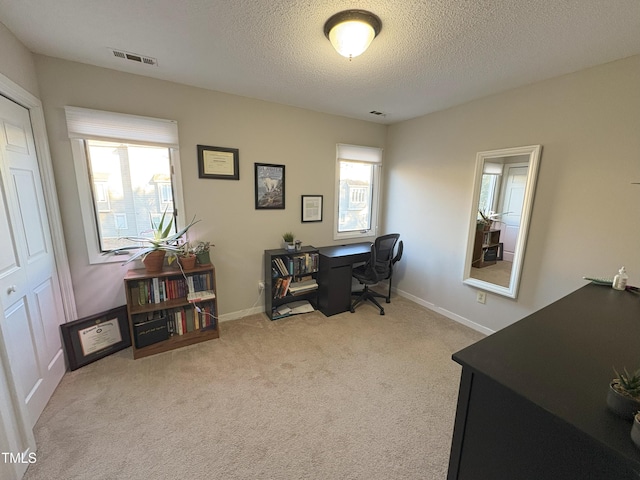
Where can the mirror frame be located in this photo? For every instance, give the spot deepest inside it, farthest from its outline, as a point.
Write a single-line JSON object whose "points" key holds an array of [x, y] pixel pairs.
{"points": [[533, 151]]}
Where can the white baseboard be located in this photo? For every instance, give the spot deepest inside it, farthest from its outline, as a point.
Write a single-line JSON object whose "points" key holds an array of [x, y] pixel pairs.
{"points": [[240, 314], [453, 316]]}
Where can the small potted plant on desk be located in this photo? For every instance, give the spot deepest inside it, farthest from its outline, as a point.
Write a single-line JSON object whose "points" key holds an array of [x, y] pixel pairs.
{"points": [[288, 241], [624, 394], [202, 253]]}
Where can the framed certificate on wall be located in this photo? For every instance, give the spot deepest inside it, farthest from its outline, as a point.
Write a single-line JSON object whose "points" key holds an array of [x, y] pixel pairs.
{"points": [[218, 162]]}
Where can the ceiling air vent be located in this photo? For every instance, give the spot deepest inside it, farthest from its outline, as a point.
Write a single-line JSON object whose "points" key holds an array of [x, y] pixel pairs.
{"points": [[134, 57]]}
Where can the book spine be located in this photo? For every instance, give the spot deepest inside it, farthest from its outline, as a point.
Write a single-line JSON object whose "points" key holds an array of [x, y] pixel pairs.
{"points": [[142, 296], [156, 290]]}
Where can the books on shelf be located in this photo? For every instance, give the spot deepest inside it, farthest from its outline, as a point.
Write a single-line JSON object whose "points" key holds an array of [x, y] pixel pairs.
{"points": [[170, 310], [281, 286], [304, 286], [200, 296], [156, 290], [286, 286], [305, 263], [296, 264], [157, 326], [290, 278]]}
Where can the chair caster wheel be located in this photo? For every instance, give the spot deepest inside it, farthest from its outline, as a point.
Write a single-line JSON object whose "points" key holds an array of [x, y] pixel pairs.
{"points": [[382, 312], [388, 301], [352, 310]]}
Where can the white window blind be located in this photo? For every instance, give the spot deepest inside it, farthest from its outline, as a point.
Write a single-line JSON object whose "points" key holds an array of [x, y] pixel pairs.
{"points": [[357, 191], [491, 168], [84, 123], [358, 153]]}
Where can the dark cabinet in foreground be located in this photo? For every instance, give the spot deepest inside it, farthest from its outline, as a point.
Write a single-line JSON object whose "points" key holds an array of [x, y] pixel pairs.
{"points": [[532, 400]]}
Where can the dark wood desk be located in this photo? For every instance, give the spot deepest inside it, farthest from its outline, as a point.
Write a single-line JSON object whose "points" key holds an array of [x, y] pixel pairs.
{"points": [[334, 276], [532, 400]]}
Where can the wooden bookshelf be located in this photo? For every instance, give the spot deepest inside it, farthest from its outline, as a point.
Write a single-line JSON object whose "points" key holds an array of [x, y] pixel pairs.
{"points": [[486, 248], [160, 299]]}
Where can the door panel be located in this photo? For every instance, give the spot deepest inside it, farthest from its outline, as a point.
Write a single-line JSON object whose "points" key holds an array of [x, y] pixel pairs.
{"points": [[45, 300], [30, 214], [29, 287], [26, 373], [8, 257], [16, 138], [512, 200]]}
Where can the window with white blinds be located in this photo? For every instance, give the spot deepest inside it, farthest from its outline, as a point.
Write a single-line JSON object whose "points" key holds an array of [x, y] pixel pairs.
{"points": [[128, 174], [358, 191]]}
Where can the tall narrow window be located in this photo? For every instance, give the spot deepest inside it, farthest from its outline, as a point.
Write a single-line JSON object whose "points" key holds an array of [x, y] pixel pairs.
{"points": [[128, 168], [488, 191], [358, 192]]}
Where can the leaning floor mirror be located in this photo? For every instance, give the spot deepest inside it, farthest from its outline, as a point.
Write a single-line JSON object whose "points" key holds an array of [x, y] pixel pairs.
{"points": [[503, 191]]}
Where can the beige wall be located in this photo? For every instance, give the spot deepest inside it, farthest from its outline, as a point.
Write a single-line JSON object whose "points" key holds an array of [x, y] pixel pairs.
{"points": [[586, 215], [16, 62], [302, 140], [585, 218]]}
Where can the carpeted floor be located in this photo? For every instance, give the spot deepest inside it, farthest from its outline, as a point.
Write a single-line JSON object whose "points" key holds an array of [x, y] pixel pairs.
{"points": [[352, 396]]}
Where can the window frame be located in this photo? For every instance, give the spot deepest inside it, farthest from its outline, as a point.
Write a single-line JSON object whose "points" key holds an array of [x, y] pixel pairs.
{"points": [[87, 208], [367, 155]]}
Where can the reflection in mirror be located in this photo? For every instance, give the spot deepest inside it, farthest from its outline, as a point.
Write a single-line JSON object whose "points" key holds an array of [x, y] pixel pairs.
{"points": [[503, 192]]}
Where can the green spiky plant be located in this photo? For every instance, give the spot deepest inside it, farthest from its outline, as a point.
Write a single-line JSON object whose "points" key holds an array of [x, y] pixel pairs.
{"points": [[628, 383], [288, 237], [162, 239]]}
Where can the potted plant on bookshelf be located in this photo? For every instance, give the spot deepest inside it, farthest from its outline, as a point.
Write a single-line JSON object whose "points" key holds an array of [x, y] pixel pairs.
{"points": [[483, 222], [623, 397], [186, 257], [152, 250], [202, 253], [486, 219], [288, 238]]}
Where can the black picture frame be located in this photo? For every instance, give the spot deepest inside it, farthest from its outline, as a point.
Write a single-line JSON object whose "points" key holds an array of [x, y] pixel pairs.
{"points": [[84, 343], [269, 186], [311, 208], [218, 162]]}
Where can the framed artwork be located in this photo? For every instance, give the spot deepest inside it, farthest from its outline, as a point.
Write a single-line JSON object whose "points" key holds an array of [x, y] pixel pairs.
{"points": [[311, 208], [269, 187], [94, 337], [218, 162]]}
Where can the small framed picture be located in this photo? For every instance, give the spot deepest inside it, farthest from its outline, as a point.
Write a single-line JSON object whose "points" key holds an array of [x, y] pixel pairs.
{"points": [[218, 162], [94, 337], [269, 187], [311, 208]]}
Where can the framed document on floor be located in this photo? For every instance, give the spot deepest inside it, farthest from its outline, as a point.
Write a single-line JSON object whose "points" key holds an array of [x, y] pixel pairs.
{"points": [[94, 337]]}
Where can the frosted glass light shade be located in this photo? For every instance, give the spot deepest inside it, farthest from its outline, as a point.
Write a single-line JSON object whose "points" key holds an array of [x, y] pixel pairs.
{"points": [[352, 31], [352, 38]]}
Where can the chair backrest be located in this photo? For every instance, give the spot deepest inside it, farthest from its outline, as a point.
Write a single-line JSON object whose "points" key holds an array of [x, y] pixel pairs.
{"points": [[398, 253], [382, 256]]}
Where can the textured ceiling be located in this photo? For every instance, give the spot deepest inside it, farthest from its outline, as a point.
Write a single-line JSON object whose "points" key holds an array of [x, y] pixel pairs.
{"points": [[430, 55]]}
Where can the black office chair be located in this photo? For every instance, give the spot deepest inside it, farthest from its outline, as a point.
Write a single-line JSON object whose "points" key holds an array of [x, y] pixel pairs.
{"points": [[393, 262], [378, 267]]}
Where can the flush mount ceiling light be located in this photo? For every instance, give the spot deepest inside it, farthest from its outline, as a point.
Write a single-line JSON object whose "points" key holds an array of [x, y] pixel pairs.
{"points": [[352, 31]]}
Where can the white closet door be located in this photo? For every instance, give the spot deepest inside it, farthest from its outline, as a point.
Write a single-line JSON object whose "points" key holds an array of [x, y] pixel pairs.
{"points": [[29, 290]]}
